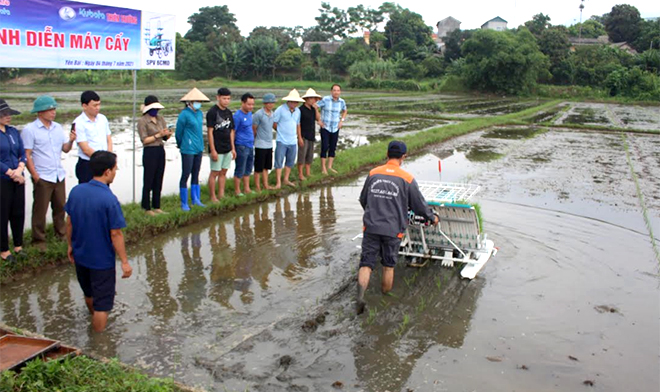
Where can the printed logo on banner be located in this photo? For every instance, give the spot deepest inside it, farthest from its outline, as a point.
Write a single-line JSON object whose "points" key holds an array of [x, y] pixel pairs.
{"points": [[67, 13], [158, 41]]}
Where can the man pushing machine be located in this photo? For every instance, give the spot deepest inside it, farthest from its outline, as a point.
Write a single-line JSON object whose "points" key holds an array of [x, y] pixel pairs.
{"points": [[387, 195]]}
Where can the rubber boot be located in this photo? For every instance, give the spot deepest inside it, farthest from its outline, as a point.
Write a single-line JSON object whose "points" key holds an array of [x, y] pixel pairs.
{"points": [[183, 195], [195, 195]]}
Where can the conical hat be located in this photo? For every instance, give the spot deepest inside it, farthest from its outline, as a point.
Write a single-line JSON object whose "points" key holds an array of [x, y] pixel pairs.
{"points": [[294, 96], [195, 95], [311, 94]]}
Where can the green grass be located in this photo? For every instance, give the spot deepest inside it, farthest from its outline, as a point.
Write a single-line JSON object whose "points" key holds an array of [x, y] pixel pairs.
{"points": [[81, 374], [349, 163]]}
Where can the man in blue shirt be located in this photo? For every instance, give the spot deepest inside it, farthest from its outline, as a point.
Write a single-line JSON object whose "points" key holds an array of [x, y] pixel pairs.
{"points": [[286, 121], [94, 235], [44, 141], [333, 114], [244, 144]]}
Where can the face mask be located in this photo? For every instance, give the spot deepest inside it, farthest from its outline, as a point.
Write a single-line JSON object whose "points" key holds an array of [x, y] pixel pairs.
{"points": [[152, 112], [197, 105]]}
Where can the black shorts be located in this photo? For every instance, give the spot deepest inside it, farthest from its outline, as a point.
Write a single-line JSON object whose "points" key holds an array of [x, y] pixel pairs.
{"points": [[374, 245], [263, 159], [98, 285]]}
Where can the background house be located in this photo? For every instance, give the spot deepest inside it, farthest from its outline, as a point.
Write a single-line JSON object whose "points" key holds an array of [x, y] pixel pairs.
{"points": [[326, 47], [496, 23], [447, 25]]}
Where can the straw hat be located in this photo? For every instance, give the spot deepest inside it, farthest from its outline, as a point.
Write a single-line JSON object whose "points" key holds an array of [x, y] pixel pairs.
{"points": [[294, 96], [151, 102], [311, 94], [194, 95]]}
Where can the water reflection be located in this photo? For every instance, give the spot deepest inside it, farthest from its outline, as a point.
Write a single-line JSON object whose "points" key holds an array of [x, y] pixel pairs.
{"points": [[163, 305], [192, 288]]}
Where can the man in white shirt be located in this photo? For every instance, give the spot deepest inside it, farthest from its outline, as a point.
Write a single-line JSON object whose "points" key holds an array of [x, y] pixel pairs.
{"points": [[44, 141], [92, 134]]}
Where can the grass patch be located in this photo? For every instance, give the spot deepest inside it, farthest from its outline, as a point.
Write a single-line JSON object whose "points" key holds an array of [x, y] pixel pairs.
{"points": [[349, 163], [80, 374]]}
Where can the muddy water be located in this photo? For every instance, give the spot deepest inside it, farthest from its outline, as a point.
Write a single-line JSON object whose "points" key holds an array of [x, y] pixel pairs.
{"points": [[262, 298], [612, 115]]}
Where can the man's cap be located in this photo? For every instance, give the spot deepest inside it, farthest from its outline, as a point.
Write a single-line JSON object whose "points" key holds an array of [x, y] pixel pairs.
{"points": [[43, 103], [396, 149], [270, 98]]}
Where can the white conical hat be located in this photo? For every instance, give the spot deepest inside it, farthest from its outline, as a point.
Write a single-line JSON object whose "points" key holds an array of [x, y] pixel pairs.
{"points": [[311, 94], [195, 95], [294, 96]]}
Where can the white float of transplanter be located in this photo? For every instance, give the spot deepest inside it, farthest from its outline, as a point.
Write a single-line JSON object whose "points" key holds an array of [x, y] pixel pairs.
{"points": [[456, 239]]}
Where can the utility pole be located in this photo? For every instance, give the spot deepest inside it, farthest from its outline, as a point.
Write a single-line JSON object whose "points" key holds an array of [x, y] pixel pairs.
{"points": [[581, 8]]}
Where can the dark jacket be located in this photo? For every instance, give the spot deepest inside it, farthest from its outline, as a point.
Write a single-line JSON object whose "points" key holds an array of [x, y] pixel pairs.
{"points": [[11, 151], [386, 196]]}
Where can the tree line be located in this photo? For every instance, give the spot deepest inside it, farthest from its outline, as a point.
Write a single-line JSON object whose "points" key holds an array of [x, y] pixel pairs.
{"points": [[402, 54]]}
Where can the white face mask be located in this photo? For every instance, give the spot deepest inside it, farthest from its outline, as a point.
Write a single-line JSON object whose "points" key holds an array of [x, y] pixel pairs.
{"points": [[197, 105]]}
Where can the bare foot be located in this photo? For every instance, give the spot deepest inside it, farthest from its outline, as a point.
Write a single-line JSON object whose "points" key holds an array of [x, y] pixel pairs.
{"points": [[258, 189], [159, 211], [289, 183], [247, 192], [324, 172], [278, 186], [334, 171], [302, 178], [268, 187], [214, 200], [150, 213]]}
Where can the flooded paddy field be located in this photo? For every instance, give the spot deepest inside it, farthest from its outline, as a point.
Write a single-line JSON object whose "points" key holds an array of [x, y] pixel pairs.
{"points": [[612, 115], [262, 298]]}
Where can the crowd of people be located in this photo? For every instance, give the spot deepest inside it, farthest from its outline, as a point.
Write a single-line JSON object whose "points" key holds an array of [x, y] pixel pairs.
{"points": [[91, 219]]}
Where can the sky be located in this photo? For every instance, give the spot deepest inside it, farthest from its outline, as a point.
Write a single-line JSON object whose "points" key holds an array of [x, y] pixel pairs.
{"points": [[472, 14]]}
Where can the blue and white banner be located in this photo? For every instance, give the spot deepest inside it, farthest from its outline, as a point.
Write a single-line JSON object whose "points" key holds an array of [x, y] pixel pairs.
{"points": [[73, 35]]}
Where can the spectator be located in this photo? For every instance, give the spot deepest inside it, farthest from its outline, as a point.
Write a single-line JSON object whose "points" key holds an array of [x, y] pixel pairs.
{"points": [[92, 133], [262, 124], [153, 133], [44, 141], [309, 115], [12, 183], [333, 114], [244, 144], [220, 127], [286, 121], [190, 141]]}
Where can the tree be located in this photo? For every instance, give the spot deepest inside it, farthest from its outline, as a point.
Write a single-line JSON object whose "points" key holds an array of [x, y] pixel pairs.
{"points": [[260, 54], [208, 20], [231, 59], [538, 24], [649, 36], [453, 43], [333, 21], [224, 35], [623, 23], [590, 29], [281, 34], [290, 59], [193, 60], [351, 51], [503, 61], [315, 34], [554, 43], [377, 42], [407, 25], [365, 19]]}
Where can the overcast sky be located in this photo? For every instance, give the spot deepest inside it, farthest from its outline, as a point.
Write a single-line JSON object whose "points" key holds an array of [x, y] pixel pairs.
{"points": [[472, 14]]}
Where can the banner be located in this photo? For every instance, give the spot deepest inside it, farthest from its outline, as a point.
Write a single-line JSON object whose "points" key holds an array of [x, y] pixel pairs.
{"points": [[159, 38], [71, 35]]}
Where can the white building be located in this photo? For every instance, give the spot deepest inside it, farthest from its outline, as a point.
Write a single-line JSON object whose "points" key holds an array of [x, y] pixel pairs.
{"points": [[497, 24], [447, 25]]}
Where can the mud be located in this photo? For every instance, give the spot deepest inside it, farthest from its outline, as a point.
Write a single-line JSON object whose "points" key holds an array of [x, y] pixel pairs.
{"points": [[612, 115]]}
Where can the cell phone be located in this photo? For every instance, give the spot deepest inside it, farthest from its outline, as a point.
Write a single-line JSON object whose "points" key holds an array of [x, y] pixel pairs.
{"points": [[73, 127]]}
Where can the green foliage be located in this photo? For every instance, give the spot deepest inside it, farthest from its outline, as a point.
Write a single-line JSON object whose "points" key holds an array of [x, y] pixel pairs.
{"points": [[231, 59], [81, 374], [209, 20], [350, 52], [538, 24], [315, 34], [372, 69], [260, 54], [623, 23], [333, 21], [634, 83], [406, 32], [363, 19], [504, 62], [434, 66], [590, 29], [283, 35], [290, 59], [193, 60], [453, 43], [649, 36], [650, 61]]}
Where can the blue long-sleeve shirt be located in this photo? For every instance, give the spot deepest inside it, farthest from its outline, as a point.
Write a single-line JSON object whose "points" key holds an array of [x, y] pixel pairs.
{"points": [[189, 131], [11, 151]]}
